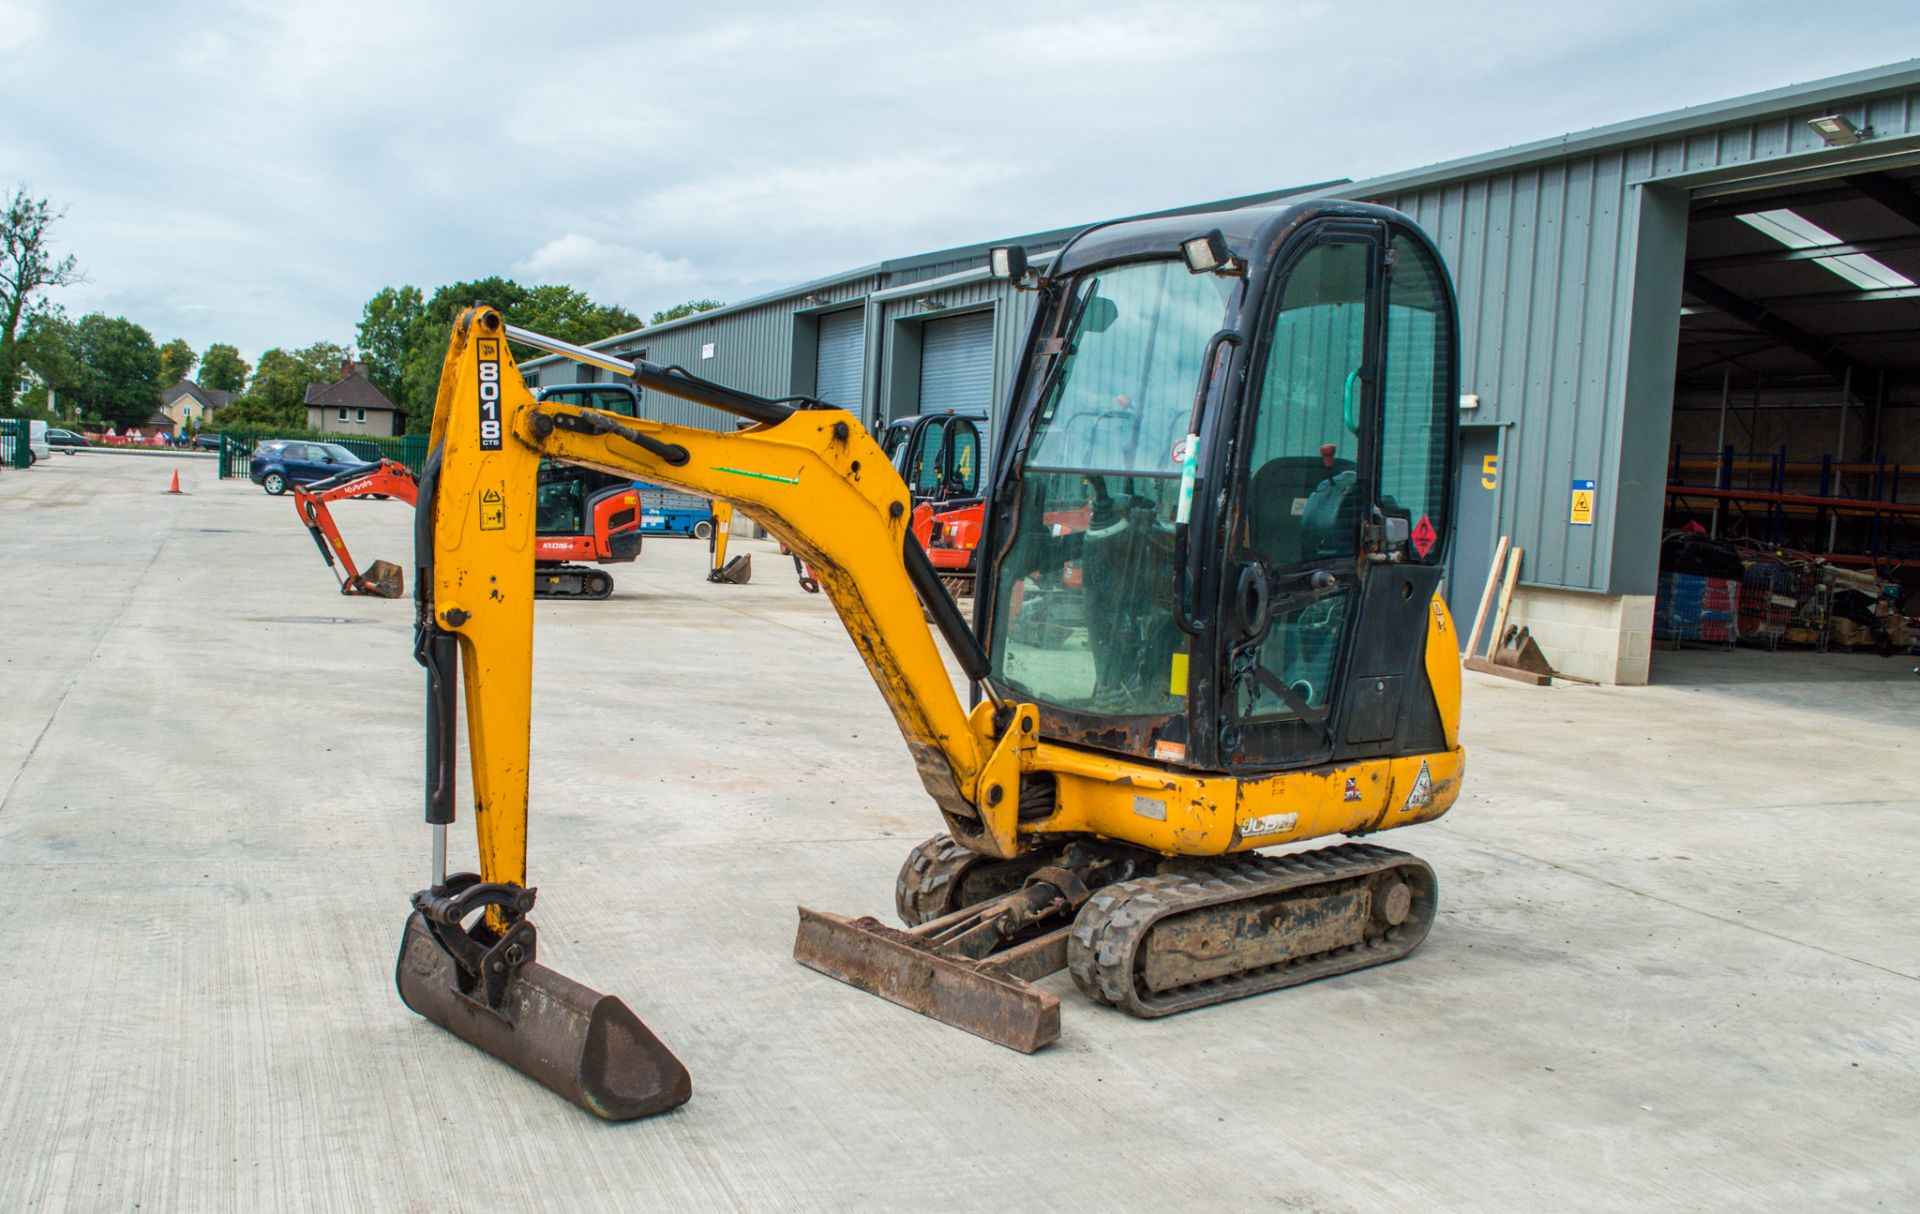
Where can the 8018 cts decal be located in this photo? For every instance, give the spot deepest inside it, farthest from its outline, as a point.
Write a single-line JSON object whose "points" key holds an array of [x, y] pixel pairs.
{"points": [[489, 394]]}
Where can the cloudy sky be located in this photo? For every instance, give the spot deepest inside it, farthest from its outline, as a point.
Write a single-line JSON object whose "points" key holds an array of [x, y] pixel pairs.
{"points": [[252, 170]]}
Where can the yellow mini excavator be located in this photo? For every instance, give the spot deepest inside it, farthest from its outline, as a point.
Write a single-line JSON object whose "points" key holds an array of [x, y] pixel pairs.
{"points": [[1206, 623]]}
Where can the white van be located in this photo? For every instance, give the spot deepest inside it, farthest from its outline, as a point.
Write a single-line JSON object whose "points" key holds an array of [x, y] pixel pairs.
{"points": [[37, 448]]}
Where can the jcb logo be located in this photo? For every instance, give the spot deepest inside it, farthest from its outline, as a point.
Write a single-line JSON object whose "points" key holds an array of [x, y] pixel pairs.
{"points": [[489, 352]]}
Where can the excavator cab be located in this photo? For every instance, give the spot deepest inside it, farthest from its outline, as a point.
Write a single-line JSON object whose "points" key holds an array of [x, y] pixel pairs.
{"points": [[1216, 523], [938, 454]]}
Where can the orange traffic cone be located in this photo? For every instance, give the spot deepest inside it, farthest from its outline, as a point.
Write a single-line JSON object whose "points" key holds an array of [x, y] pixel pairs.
{"points": [[175, 487]]}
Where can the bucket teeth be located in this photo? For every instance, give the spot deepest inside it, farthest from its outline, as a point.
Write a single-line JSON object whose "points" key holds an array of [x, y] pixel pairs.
{"points": [[588, 1047], [901, 968]]}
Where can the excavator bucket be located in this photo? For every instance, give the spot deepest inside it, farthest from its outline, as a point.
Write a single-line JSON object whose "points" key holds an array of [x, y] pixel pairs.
{"points": [[383, 579], [588, 1047], [983, 998], [736, 572], [1519, 650]]}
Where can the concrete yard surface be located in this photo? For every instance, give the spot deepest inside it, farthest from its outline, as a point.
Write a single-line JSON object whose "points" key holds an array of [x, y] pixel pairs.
{"points": [[1674, 968]]}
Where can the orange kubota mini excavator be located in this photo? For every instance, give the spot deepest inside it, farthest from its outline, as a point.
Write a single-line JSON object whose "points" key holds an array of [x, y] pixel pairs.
{"points": [[1207, 623]]}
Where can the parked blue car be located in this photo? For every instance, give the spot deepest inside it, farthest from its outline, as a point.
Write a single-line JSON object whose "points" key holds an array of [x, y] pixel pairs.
{"points": [[280, 462]]}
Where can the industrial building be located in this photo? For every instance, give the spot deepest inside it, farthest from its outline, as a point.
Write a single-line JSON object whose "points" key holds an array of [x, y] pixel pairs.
{"points": [[1706, 317]]}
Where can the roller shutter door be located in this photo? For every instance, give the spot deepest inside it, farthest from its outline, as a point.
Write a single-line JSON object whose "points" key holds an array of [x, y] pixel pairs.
{"points": [[838, 363], [956, 362]]}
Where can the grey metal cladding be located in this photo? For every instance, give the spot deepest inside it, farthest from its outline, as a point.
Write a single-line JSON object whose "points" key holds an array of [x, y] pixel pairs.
{"points": [[1544, 255], [1568, 304]]}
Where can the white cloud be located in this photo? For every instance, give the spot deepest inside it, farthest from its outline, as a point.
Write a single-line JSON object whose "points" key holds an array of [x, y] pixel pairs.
{"points": [[253, 170], [610, 273], [19, 23]]}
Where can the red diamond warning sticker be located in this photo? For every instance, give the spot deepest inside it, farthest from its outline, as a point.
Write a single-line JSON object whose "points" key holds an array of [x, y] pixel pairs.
{"points": [[1424, 536]]}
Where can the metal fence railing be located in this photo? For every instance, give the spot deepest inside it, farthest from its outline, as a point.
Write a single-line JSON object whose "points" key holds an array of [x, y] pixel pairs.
{"points": [[15, 449], [236, 447]]}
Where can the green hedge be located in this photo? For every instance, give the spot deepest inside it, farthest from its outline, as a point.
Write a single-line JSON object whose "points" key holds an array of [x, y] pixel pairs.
{"points": [[236, 447]]}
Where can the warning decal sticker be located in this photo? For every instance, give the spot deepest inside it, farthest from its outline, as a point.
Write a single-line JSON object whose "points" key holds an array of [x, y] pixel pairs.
{"points": [[1580, 514], [1424, 536], [1420, 796], [493, 511]]}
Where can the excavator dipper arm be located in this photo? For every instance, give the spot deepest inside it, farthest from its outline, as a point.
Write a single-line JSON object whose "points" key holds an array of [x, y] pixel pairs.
{"points": [[387, 478]]}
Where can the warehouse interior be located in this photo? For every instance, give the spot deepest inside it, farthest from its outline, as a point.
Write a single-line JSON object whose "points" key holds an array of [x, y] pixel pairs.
{"points": [[1794, 460]]}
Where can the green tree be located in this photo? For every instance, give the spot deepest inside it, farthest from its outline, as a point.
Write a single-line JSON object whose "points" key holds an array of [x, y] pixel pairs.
{"points": [[27, 267], [563, 312], [119, 378], [50, 364], [222, 369], [686, 309], [176, 361], [556, 310], [386, 335], [427, 341], [277, 394]]}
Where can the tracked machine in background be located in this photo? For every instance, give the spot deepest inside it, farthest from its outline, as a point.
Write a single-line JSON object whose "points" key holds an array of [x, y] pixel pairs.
{"points": [[583, 516], [622, 400], [939, 454], [1207, 623]]}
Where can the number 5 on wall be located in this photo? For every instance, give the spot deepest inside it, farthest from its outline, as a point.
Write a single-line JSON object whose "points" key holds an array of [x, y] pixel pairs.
{"points": [[1490, 471]]}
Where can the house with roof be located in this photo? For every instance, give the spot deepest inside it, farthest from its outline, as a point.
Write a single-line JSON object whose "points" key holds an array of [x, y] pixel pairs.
{"points": [[188, 404], [352, 405]]}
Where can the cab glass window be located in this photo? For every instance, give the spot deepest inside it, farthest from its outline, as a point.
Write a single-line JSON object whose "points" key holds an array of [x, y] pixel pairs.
{"points": [[924, 477], [1417, 414], [1083, 608], [1302, 492], [963, 466]]}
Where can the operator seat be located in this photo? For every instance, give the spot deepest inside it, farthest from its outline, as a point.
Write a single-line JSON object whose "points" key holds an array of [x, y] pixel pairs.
{"points": [[1277, 505]]}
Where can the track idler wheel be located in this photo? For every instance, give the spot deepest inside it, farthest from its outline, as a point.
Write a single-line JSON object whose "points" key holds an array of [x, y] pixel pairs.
{"points": [[940, 876], [486, 988]]}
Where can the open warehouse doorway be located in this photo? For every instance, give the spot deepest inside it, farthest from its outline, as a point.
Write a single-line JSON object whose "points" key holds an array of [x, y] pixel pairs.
{"points": [[1793, 483]]}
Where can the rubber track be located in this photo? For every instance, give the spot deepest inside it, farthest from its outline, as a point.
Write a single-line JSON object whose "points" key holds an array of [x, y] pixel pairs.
{"points": [[1104, 946], [544, 589]]}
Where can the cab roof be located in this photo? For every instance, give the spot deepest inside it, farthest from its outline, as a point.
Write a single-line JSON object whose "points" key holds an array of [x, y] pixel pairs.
{"points": [[1249, 231]]}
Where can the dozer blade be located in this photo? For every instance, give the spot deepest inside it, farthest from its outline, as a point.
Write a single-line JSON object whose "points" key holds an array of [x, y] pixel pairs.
{"points": [[587, 1046], [736, 572], [382, 578], [899, 967]]}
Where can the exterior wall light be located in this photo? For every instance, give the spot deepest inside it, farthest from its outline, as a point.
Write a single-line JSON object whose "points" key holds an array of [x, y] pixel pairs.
{"points": [[1838, 130]]}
